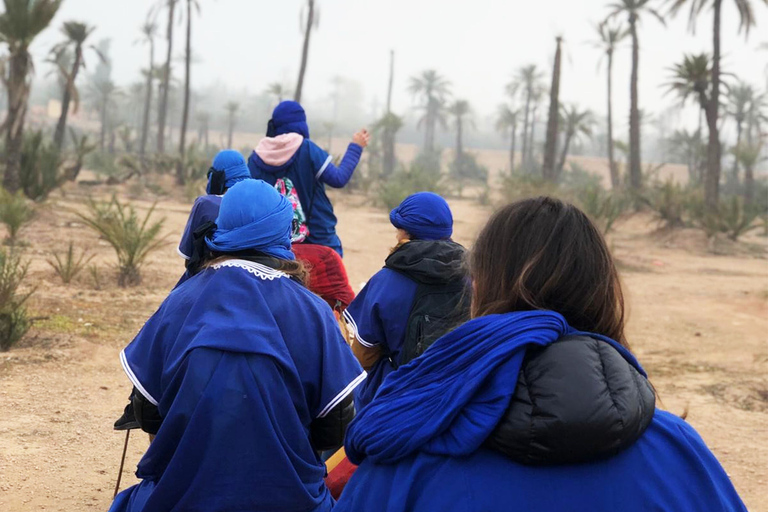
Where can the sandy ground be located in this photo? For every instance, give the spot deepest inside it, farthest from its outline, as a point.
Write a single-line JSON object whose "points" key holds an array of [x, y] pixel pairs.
{"points": [[698, 322]]}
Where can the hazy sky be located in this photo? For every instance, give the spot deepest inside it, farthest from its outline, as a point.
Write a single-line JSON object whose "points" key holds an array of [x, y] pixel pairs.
{"points": [[477, 44]]}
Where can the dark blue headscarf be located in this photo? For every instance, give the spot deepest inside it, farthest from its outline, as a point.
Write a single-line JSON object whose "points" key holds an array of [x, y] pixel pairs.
{"points": [[425, 216], [233, 165], [254, 216], [288, 117]]}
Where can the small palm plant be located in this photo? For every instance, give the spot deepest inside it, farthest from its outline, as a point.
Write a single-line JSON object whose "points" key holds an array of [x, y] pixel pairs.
{"points": [[15, 212], [132, 238], [14, 322], [67, 266]]}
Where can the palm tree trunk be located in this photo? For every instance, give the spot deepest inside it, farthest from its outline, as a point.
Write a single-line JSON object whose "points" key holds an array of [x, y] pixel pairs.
{"points": [[615, 181], [163, 112], [391, 80], [564, 154], [526, 118], [749, 184], [714, 151], [388, 163], [180, 168], [738, 145], [635, 168], [61, 126], [512, 149], [305, 49], [550, 146], [147, 104], [532, 135], [18, 93]]}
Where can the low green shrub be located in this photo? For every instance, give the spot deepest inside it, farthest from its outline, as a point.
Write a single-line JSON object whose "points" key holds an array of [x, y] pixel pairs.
{"points": [[68, 266], [133, 239], [15, 212], [401, 184], [14, 320]]}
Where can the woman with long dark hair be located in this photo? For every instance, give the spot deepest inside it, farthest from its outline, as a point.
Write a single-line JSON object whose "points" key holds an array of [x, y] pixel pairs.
{"points": [[536, 403]]}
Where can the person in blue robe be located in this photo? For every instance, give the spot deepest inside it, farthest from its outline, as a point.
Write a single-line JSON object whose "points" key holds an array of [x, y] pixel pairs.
{"points": [[288, 154], [537, 403], [248, 371], [425, 257], [228, 167]]}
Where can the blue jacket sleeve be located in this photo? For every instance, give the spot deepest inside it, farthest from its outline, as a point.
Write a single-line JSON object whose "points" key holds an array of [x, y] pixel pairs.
{"points": [[339, 176]]}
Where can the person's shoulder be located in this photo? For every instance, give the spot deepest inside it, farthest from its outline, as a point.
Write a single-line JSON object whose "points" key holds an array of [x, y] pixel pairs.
{"points": [[207, 201]]}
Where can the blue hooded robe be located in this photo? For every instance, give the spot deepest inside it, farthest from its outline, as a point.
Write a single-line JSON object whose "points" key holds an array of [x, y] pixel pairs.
{"points": [[239, 360], [421, 443]]}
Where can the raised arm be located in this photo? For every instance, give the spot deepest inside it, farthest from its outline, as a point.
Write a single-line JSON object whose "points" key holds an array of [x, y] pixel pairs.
{"points": [[338, 177]]}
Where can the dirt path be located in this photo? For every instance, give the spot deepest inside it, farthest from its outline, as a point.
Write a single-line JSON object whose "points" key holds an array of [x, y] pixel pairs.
{"points": [[698, 323]]}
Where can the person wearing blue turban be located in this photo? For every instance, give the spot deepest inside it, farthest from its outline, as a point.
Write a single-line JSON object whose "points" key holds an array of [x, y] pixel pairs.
{"points": [[421, 293], [227, 168], [289, 160], [247, 373]]}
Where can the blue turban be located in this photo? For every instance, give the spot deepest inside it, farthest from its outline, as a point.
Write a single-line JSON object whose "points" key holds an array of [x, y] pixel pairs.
{"points": [[254, 216], [425, 216], [233, 165], [288, 117]]}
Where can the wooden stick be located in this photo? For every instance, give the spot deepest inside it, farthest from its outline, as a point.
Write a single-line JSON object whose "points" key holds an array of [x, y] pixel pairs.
{"points": [[122, 463]]}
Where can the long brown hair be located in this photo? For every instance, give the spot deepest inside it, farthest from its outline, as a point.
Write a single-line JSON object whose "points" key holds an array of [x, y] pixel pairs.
{"points": [[293, 268], [544, 254]]}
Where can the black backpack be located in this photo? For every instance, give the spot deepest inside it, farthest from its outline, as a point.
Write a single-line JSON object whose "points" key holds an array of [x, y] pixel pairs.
{"points": [[437, 310], [439, 306]]}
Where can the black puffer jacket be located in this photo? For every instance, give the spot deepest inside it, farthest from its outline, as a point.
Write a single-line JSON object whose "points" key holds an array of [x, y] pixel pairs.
{"points": [[576, 400]]}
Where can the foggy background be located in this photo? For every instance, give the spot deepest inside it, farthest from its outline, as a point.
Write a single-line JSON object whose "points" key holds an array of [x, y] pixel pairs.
{"points": [[241, 46]]}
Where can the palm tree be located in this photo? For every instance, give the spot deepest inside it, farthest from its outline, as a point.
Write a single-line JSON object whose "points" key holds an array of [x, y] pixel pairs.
{"points": [[149, 31], [75, 34], [104, 92], [203, 119], [611, 35], [687, 146], [757, 116], [312, 21], [550, 146], [691, 78], [460, 110], [714, 148], [277, 90], [538, 95], [740, 99], [165, 83], [180, 169], [506, 123], [634, 9], [575, 123], [433, 90], [232, 108], [21, 22], [527, 81], [389, 125], [748, 156]]}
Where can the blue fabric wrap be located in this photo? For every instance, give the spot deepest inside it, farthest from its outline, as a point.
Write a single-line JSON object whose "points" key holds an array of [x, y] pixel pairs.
{"points": [[424, 215], [288, 117], [239, 360], [302, 169], [254, 216], [449, 400], [234, 167], [379, 316], [669, 469], [205, 209]]}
